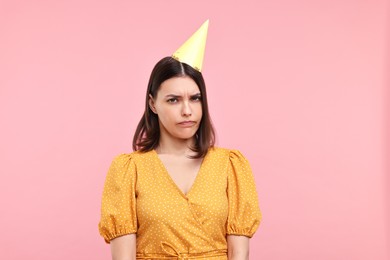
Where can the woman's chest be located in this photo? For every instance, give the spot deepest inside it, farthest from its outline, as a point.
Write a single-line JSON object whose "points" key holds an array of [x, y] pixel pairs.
{"points": [[159, 198], [182, 171]]}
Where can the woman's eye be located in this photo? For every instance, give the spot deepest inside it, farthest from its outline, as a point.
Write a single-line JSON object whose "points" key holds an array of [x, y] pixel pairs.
{"points": [[172, 100], [197, 98]]}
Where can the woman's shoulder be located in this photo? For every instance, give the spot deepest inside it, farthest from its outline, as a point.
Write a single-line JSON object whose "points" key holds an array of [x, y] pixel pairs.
{"points": [[135, 156], [218, 149], [226, 152]]}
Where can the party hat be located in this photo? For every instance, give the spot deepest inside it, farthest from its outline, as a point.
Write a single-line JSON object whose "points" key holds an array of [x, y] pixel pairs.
{"points": [[192, 51]]}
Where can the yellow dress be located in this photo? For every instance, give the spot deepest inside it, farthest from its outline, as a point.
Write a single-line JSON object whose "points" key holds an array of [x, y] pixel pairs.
{"points": [[140, 197]]}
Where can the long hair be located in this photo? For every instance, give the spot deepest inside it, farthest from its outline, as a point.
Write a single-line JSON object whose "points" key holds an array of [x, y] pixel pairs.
{"points": [[147, 134]]}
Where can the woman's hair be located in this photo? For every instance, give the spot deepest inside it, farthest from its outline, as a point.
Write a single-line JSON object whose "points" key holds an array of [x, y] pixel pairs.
{"points": [[147, 134]]}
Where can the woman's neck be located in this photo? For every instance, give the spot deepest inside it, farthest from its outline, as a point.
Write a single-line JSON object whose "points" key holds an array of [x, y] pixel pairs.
{"points": [[174, 146]]}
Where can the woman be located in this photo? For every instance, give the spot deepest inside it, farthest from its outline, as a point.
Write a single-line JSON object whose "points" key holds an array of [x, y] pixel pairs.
{"points": [[177, 196]]}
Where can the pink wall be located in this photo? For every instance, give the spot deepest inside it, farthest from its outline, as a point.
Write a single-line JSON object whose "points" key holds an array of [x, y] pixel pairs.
{"points": [[298, 86]]}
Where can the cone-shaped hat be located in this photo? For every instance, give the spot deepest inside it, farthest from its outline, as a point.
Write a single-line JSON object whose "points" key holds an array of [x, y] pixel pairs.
{"points": [[192, 51]]}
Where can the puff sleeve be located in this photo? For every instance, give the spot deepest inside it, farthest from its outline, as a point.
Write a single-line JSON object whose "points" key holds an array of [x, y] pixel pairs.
{"points": [[118, 208], [244, 213]]}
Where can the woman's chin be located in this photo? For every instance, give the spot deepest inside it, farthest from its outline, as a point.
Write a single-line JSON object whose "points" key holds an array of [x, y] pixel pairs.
{"points": [[185, 136]]}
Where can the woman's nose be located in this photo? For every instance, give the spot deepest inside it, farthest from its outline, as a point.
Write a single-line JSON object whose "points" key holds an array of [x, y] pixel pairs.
{"points": [[186, 109]]}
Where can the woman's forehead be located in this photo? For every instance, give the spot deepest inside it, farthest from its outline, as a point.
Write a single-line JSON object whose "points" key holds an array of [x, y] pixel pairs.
{"points": [[179, 86]]}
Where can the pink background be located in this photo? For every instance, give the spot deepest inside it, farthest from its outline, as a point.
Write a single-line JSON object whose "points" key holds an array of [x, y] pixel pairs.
{"points": [[300, 87]]}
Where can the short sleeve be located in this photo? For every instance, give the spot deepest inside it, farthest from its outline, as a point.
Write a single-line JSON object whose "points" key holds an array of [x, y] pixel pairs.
{"points": [[118, 208], [244, 213]]}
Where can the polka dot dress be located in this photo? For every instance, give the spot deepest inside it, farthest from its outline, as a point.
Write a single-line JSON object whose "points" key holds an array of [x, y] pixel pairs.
{"points": [[141, 197]]}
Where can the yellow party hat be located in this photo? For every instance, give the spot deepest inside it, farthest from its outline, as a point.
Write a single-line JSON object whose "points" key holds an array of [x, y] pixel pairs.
{"points": [[192, 51]]}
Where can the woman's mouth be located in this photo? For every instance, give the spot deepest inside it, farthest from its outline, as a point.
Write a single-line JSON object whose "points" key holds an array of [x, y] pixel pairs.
{"points": [[187, 123]]}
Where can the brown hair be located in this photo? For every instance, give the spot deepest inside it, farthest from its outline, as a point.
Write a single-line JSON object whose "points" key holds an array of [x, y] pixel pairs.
{"points": [[147, 134]]}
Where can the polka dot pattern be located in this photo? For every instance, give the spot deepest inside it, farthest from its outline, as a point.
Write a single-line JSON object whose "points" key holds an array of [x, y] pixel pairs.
{"points": [[140, 197]]}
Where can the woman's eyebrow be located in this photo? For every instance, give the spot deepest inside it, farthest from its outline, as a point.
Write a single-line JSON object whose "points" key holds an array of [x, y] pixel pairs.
{"points": [[172, 96], [178, 96]]}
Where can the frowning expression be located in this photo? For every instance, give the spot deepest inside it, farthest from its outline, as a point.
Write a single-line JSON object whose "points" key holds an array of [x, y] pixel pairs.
{"points": [[178, 104]]}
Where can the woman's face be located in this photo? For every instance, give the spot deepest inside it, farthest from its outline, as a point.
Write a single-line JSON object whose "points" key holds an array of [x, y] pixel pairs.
{"points": [[178, 106]]}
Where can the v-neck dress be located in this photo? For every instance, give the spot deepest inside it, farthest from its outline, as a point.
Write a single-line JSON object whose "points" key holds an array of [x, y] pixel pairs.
{"points": [[140, 197]]}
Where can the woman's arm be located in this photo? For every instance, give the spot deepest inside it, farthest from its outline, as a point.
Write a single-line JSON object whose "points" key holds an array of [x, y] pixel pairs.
{"points": [[238, 247], [123, 247]]}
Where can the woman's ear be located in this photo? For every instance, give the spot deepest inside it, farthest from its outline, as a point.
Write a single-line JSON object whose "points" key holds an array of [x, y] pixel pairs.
{"points": [[151, 104]]}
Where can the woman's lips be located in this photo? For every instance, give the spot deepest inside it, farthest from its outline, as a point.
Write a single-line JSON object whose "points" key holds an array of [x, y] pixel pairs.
{"points": [[187, 123]]}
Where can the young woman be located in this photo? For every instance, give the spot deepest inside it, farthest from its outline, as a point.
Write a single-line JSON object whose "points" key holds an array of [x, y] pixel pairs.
{"points": [[177, 196]]}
